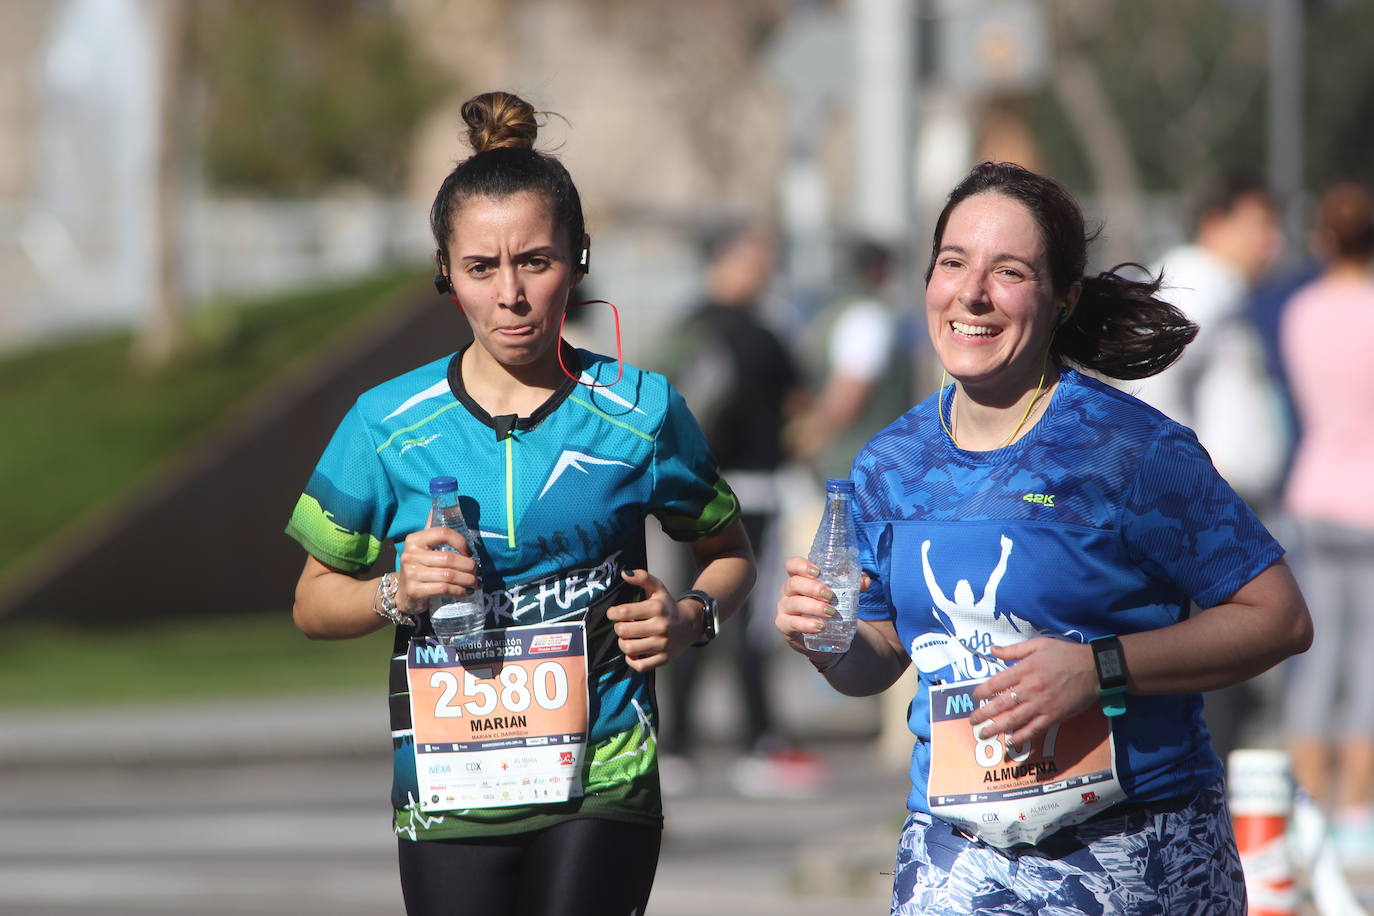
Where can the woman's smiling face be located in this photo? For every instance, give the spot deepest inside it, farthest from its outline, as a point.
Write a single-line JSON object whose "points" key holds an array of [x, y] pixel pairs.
{"points": [[512, 272], [990, 304]]}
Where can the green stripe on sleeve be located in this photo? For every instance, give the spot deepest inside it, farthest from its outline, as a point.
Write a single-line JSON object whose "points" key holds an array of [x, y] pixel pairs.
{"points": [[326, 541], [715, 517]]}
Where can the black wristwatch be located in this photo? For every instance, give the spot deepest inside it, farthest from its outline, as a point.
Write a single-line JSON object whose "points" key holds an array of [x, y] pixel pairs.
{"points": [[1111, 674], [710, 619]]}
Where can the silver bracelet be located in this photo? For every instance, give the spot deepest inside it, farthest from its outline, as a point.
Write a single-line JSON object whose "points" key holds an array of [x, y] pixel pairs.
{"points": [[384, 602]]}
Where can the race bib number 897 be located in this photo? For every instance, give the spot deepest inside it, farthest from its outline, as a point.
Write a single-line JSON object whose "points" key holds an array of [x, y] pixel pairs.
{"points": [[1006, 794]]}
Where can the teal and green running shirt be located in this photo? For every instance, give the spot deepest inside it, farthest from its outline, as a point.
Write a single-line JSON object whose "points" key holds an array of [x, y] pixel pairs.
{"points": [[558, 501], [1106, 518]]}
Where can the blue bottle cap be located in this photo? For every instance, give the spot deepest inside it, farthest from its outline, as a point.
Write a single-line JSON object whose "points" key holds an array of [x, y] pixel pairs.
{"points": [[839, 485], [439, 485]]}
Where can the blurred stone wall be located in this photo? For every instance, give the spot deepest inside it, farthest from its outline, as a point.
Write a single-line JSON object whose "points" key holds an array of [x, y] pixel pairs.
{"points": [[22, 26], [666, 120]]}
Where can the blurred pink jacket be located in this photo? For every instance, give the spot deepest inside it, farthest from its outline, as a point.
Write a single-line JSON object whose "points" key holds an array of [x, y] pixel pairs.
{"points": [[1328, 348]]}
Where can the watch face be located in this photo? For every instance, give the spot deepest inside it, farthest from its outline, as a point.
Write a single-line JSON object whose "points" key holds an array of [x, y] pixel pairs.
{"points": [[1109, 665]]}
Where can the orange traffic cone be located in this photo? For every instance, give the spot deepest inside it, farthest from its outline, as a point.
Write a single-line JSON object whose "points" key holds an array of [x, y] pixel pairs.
{"points": [[1261, 797]]}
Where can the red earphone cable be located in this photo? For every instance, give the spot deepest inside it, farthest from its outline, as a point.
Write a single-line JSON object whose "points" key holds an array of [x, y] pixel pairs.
{"points": [[619, 359]]}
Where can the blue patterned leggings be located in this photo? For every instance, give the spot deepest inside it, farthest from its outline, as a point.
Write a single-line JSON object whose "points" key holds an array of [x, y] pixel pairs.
{"points": [[1171, 858]]}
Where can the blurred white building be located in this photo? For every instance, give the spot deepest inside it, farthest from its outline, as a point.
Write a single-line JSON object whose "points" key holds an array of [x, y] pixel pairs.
{"points": [[669, 122], [674, 115]]}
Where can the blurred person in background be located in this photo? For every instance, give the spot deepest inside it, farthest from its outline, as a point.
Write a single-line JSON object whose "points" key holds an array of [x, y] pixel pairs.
{"points": [[1222, 388], [1266, 308], [1033, 540], [742, 383], [859, 344], [1328, 342], [561, 455]]}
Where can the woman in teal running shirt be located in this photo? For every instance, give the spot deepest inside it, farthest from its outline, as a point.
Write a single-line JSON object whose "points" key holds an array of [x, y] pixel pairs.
{"points": [[525, 777]]}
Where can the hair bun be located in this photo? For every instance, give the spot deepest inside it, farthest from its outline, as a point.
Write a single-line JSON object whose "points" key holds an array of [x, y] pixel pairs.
{"points": [[499, 120]]}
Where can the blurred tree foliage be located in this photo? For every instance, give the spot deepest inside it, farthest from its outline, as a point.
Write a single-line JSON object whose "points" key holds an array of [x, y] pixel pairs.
{"points": [[1340, 92], [1188, 82], [301, 95]]}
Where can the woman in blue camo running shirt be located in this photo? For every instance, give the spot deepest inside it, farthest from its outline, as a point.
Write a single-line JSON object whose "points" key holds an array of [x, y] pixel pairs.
{"points": [[1034, 540]]}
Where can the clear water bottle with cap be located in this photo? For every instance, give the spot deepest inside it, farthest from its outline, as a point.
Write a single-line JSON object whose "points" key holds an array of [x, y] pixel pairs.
{"points": [[835, 552], [454, 618]]}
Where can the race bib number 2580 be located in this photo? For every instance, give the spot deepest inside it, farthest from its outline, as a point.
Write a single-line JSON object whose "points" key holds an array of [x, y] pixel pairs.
{"points": [[500, 720]]}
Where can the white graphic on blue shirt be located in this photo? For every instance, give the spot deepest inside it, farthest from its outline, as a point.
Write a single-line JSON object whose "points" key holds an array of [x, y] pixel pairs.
{"points": [[972, 626], [439, 389], [564, 594], [575, 460]]}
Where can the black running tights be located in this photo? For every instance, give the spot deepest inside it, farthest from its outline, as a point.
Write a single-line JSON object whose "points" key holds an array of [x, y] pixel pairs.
{"points": [[583, 867]]}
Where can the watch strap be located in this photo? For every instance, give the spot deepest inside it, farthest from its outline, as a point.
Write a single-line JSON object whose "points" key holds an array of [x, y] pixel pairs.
{"points": [[1111, 674], [710, 620]]}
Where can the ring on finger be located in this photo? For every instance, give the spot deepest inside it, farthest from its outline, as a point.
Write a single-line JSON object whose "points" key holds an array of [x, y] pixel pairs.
{"points": [[1015, 699]]}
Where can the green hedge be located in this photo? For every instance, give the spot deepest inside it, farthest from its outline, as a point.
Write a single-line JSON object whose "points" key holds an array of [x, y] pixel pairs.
{"points": [[52, 664], [83, 423]]}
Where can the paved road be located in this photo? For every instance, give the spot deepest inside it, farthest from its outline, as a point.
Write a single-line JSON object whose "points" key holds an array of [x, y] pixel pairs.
{"points": [[724, 854], [203, 840], [225, 809], [296, 837]]}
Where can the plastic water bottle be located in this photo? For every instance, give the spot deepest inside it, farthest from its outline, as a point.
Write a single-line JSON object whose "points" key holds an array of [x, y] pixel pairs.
{"points": [[835, 552], [455, 619]]}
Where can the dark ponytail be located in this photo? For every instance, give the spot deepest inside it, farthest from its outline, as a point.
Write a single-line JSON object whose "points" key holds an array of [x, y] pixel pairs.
{"points": [[1120, 327]]}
